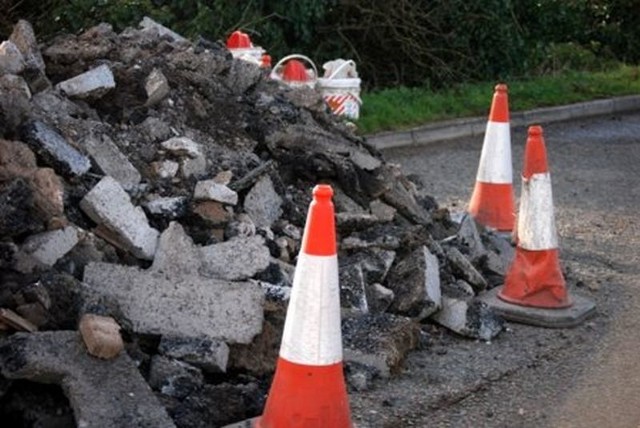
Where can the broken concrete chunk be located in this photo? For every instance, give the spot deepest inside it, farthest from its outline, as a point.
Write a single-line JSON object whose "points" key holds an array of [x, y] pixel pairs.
{"points": [[165, 169], [469, 317], [46, 248], [381, 298], [106, 394], [101, 336], [24, 38], [353, 288], [364, 160], [181, 305], [182, 146], [235, 259], [415, 281], [203, 352], [223, 177], [54, 149], [11, 59], [468, 235], [109, 205], [174, 378], [212, 191], [91, 84], [379, 341], [167, 207], [463, 269], [112, 161], [10, 318], [382, 211], [262, 203], [176, 254], [162, 31], [156, 86]]}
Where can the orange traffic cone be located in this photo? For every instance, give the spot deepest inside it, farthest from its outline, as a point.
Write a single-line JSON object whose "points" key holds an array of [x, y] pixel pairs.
{"points": [[308, 388], [534, 290], [239, 40], [492, 202], [534, 278]]}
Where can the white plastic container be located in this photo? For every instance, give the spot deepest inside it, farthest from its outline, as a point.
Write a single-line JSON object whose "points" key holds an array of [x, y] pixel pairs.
{"points": [[342, 94], [281, 72]]}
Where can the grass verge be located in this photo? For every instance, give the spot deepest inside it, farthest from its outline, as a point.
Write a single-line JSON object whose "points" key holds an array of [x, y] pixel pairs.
{"points": [[402, 108]]}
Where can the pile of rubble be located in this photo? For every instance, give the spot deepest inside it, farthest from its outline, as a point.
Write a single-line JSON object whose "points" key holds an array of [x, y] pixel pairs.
{"points": [[153, 193]]}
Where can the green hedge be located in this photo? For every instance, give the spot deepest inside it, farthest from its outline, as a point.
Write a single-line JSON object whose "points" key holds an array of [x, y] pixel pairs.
{"points": [[395, 42]]}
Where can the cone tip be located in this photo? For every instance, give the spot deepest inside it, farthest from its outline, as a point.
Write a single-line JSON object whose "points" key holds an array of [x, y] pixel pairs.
{"points": [[322, 192], [501, 87], [535, 131]]}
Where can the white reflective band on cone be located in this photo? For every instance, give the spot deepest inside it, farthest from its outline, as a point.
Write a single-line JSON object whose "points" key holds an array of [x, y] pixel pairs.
{"points": [[536, 220], [312, 334], [495, 160]]}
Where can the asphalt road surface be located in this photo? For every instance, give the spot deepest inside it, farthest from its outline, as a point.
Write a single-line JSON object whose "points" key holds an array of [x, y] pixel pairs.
{"points": [[588, 376]]}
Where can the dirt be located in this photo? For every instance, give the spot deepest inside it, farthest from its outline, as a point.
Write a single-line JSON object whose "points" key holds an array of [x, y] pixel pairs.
{"points": [[527, 376]]}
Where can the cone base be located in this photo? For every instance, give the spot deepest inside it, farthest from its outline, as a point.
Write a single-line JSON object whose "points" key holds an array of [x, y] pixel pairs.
{"points": [[306, 396], [493, 205], [535, 279], [581, 309]]}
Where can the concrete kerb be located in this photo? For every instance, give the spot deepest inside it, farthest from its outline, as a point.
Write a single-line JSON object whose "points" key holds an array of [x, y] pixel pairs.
{"points": [[475, 126]]}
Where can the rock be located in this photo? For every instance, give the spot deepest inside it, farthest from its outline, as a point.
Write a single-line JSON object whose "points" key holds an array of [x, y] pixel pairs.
{"points": [[205, 353], [381, 298], [156, 86], [110, 206], [46, 248], [470, 237], [14, 103], [160, 30], [13, 320], [101, 336], [235, 259], [242, 76], [212, 191], [168, 207], [379, 341], [17, 212], [24, 38], [11, 59], [348, 222], [242, 226], [52, 147], [468, 317], [214, 213], [165, 169], [193, 161], [106, 394], [174, 378], [353, 288], [111, 160], [415, 281], [262, 203], [171, 298], [463, 269], [382, 211], [91, 84]]}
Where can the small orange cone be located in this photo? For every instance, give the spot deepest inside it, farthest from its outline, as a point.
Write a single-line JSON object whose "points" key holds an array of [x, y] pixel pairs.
{"points": [[492, 202], [239, 40], [535, 278], [294, 71], [308, 388]]}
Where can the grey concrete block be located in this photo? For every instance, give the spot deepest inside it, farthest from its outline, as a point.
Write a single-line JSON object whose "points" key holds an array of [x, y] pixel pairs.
{"points": [[203, 352], [109, 205], [105, 394], [46, 248], [236, 259], [156, 86], [209, 190], [11, 59], [468, 317], [172, 299], [262, 203], [91, 84], [112, 161]]}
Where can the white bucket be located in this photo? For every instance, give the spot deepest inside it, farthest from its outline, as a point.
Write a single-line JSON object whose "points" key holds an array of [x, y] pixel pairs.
{"points": [[276, 72], [342, 95]]}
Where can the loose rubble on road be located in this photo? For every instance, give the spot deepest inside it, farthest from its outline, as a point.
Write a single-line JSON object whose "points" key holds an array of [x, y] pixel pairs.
{"points": [[153, 194]]}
